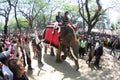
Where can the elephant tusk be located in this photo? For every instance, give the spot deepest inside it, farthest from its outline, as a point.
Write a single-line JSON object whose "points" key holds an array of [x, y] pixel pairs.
{"points": [[73, 54]]}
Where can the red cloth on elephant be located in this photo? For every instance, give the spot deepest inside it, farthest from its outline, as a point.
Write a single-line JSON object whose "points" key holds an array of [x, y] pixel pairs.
{"points": [[51, 35]]}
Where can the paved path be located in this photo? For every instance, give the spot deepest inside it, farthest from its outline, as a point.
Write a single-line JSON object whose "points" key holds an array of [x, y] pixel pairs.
{"points": [[66, 70]]}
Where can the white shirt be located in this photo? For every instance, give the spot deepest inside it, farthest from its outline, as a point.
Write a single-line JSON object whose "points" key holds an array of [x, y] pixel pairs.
{"points": [[97, 45], [15, 49], [27, 49], [8, 75]]}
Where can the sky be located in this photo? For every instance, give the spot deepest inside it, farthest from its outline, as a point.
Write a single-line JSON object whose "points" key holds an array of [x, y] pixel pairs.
{"points": [[113, 13]]}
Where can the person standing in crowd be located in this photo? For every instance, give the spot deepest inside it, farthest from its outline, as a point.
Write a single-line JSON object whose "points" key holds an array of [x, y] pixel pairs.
{"points": [[88, 42], [114, 46], [82, 48], [91, 54], [39, 52], [5, 71], [27, 51], [97, 45], [16, 66], [59, 17]]}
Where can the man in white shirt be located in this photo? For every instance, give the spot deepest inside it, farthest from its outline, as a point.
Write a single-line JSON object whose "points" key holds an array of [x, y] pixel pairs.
{"points": [[4, 57]]}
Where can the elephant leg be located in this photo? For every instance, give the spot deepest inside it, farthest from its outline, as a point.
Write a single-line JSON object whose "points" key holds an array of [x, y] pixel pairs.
{"points": [[70, 55], [58, 60], [52, 52], [66, 51], [77, 65], [45, 50]]}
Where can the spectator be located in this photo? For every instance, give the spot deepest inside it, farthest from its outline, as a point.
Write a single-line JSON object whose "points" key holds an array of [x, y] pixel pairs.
{"points": [[114, 46], [27, 51], [17, 68], [82, 48], [4, 58]]}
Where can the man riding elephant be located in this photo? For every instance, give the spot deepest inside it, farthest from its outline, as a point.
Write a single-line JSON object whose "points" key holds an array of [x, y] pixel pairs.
{"points": [[67, 22], [65, 18]]}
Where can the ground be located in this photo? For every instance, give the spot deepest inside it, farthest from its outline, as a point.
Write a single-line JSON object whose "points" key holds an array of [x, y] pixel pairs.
{"points": [[50, 70]]}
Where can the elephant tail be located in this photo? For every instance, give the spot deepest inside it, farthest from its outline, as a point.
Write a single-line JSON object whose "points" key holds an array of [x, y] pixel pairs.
{"points": [[74, 56]]}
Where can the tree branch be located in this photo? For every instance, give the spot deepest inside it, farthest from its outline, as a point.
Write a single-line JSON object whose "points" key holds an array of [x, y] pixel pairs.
{"points": [[87, 10], [80, 8], [97, 12]]}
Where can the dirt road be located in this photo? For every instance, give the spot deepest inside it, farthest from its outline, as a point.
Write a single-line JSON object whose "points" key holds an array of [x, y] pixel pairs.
{"points": [[50, 70]]}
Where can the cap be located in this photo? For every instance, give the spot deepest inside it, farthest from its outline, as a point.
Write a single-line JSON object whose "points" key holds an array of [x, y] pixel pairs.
{"points": [[4, 55]]}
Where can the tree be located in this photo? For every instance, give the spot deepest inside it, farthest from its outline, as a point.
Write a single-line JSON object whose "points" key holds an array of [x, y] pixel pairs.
{"points": [[117, 26], [14, 5], [30, 9], [1, 26], [22, 23], [91, 13], [5, 12]]}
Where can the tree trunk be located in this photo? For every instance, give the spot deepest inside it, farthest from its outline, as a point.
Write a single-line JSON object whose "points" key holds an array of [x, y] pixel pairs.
{"points": [[17, 20], [50, 17], [18, 24], [89, 30], [44, 20], [30, 24], [5, 29], [6, 26]]}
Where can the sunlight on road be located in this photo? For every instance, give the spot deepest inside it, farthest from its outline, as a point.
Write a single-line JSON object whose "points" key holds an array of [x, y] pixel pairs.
{"points": [[50, 70]]}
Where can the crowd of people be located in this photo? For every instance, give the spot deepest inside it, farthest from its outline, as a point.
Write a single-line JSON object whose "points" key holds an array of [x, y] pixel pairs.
{"points": [[96, 39], [15, 56]]}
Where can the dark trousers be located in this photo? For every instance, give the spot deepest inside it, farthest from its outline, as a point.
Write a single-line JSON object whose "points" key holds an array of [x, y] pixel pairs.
{"points": [[81, 52], [112, 50], [97, 60], [88, 46], [119, 57], [28, 59], [39, 55]]}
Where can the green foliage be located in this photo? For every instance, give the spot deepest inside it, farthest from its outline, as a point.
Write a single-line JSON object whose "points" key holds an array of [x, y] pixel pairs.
{"points": [[47, 10], [22, 23], [1, 26], [73, 10], [117, 26]]}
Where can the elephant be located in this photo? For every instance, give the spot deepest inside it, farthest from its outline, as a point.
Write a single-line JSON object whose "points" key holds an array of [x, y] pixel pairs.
{"points": [[68, 43]]}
